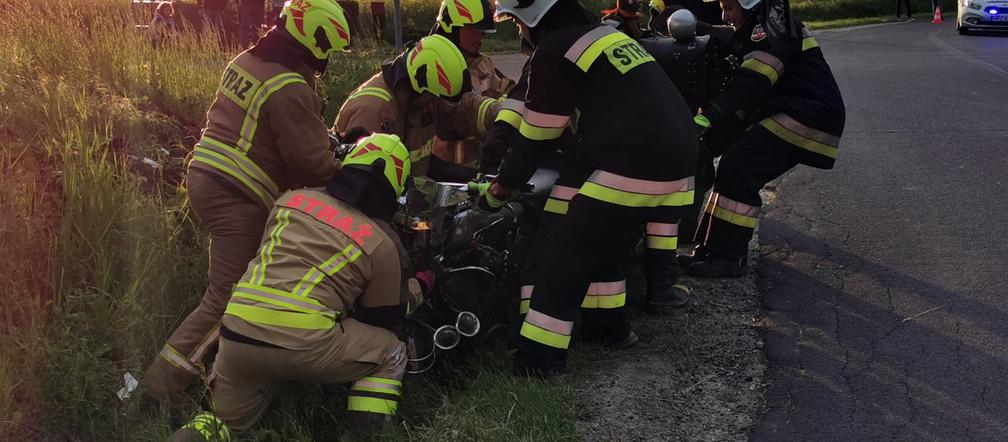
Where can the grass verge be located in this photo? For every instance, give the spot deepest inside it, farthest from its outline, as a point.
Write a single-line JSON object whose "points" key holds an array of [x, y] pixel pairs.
{"points": [[96, 127]]}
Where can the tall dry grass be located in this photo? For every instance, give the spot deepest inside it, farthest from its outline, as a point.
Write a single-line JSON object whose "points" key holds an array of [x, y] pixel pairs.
{"points": [[107, 259]]}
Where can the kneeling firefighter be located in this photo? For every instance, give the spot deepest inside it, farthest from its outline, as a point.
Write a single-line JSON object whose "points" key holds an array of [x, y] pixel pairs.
{"points": [[633, 132], [424, 91], [785, 90], [264, 135], [321, 299]]}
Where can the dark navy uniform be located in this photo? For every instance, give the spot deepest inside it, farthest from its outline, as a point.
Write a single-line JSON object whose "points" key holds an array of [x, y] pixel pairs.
{"points": [[785, 90], [633, 132]]}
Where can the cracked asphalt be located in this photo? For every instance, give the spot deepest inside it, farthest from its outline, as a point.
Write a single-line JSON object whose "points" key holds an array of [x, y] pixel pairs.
{"points": [[884, 280]]}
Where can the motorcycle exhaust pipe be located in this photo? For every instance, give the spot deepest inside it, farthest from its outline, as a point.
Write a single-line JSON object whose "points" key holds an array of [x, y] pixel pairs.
{"points": [[447, 337], [467, 324], [418, 364]]}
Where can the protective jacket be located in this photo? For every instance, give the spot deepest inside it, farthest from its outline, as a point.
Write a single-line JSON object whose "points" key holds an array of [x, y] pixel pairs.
{"points": [[784, 85], [265, 132], [605, 80], [335, 261], [384, 104]]}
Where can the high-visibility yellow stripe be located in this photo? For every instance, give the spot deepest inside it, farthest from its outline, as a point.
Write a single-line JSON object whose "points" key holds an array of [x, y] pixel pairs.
{"points": [[762, 68], [556, 206], [279, 303], [243, 162], [372, 405], [543, 336], [247, 90], [372, 91], [662, 242], [523, 306], [391, 391], [223, 164], [311, 279], [259, 315], [271, 290], [589, 55], [631, 199], [510, 117], [175, 358], [537, 133], [266, 251], [395, 382], [604, 301], [422, 152], [805, 143], [809, 43], [251, 122], [732, 217], [481, 115]]}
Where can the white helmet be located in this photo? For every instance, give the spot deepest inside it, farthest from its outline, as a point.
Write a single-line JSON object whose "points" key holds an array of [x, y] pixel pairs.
{"points": [[528, 12], [682, 25], [746, 4]]}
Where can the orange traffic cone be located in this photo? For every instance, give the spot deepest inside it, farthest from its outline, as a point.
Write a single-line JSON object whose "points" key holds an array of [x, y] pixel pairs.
{"points": [[938, 15]]}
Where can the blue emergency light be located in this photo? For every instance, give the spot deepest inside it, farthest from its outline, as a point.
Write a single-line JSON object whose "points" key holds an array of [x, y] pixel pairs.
{"points": [[992, 11]]}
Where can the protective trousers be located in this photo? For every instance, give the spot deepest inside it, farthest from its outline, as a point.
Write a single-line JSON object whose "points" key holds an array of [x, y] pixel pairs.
{"points": [[733, 208], [579, 248], [236, 226], [603, 307], [246, 376]]}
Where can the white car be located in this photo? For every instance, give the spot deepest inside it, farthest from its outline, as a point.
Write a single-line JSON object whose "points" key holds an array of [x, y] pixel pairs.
{"points": [[982, 15]]}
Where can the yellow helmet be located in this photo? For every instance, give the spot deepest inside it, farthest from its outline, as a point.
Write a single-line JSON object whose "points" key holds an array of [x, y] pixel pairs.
{"points": [[319, 25], [435, 65], [477, 14], [389, 149]]}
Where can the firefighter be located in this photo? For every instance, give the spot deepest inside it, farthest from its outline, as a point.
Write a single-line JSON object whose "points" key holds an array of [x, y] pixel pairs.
{"points": [[424, 91], [465, 23], [626, 17], [264, 135], [784, 89], [320, 299], [633, 129]]}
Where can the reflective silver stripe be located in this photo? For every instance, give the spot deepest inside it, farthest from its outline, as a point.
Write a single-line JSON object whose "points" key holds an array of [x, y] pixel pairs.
{"points": [[663, 229], [767, 59], [175, 358], [563, 192], [512, 104], [251, 121], [549, 323], [201, 349], [582, 44], [634, 185], [735, 206], [805, 131], [376, 385], [540, 119], [526, 291], [606, 288], [286, 299]]}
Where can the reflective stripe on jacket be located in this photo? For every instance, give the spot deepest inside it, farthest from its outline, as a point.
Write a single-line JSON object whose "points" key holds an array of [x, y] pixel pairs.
{"points": [[264, 131], [319, 260]]}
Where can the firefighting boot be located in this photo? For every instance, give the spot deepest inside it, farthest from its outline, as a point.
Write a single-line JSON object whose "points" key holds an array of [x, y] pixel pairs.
{"points": [[717, 265], [371, 424], [662, 276], [689, 257]]}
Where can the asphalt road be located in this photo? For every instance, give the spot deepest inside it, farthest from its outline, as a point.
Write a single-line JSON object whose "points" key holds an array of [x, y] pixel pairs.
{"points": [[884, 280]]}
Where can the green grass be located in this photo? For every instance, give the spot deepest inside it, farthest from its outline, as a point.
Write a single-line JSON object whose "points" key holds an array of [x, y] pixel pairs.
{"points": [[113, 258]]}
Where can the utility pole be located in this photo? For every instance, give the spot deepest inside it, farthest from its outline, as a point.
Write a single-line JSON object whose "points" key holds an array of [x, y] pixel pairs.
{"points": [[397, 22]]}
